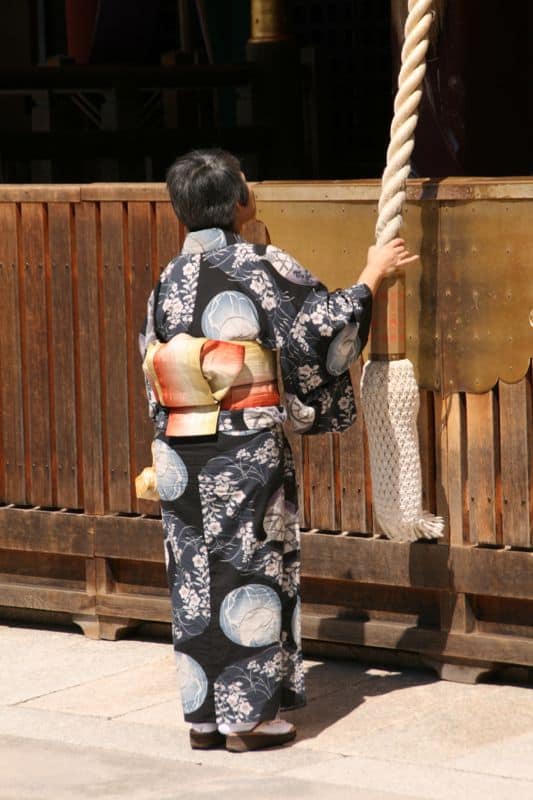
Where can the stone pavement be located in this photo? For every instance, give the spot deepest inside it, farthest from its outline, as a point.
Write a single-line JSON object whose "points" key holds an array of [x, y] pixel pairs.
{"points": [[82, 719]]}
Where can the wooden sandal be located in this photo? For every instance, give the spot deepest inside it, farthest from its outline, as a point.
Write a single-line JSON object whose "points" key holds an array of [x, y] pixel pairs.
{"points": [[206, 741], [257, 739]]}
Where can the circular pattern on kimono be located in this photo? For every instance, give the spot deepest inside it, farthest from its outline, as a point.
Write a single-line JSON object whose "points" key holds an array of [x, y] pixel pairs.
{"points": [[296, 623], [172, 476], [193, 682], [230, 315], [251, 615], [343, 349]]}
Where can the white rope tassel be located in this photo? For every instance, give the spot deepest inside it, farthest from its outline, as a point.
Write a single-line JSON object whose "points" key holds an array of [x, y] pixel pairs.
{"points": [[391, 411], [389, 390]]}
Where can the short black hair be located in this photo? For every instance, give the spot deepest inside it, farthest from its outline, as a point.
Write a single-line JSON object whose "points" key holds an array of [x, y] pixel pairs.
{"points": [[204, 188]]}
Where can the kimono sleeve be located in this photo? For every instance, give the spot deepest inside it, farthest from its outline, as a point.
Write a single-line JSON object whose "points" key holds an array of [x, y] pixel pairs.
{"points": [[327, 335]]}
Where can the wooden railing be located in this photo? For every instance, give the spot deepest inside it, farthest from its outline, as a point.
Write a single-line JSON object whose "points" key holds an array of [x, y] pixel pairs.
{"points": [[76, 267]]}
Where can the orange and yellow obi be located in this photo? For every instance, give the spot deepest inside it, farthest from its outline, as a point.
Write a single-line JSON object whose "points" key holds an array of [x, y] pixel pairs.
{"points": [[194, 378]]}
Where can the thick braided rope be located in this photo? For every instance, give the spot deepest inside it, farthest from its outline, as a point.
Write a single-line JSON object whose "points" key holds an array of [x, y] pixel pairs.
{"points": [[389, 389], [405, 119]]}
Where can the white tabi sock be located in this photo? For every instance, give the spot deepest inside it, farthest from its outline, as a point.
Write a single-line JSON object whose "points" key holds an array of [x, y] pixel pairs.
{"points": [[271, 726], [236, 727], [204, 727]]}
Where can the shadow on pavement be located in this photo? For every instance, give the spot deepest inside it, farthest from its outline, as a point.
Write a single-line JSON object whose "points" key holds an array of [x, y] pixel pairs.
{"points": [[333, 693]]}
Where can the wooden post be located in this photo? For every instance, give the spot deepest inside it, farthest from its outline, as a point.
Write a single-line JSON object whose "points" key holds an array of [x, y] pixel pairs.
{"points": [[387, 341]]}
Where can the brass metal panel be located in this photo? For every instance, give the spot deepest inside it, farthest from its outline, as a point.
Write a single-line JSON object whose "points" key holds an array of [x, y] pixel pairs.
{"points": [[331, 239], [423, 337], [469, 301], [485, 293]]}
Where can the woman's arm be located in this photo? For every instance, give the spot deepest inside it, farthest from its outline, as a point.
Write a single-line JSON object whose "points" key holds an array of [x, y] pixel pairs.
{"points": [[385, 262]]}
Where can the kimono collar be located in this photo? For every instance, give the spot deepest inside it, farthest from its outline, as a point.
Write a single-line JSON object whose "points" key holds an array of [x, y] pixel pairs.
{"points": [[208, 239]]}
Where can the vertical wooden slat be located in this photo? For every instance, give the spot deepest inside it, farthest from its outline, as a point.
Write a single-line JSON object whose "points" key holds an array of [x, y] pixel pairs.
{"points": [[140, 252], [352, 468], [13, 474], [116, 411], [450, 466], [91, 457], [170, 235], [33, 234], [441, 459], [320, 453], [458, 518], [426, 436], [516, 408], [62, 354], [482, 450]]}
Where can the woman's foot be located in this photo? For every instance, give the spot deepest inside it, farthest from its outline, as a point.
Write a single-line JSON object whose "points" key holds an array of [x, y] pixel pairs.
{"points": [[271, 733], [205, 736]]}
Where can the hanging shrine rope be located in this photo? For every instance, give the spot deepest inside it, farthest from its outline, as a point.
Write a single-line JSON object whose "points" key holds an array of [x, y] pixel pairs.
{"points": [[389, 389]]}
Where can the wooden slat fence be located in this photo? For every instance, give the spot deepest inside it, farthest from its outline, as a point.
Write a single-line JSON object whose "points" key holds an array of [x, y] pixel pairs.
{"points": [[76, 267], [76, 275]]}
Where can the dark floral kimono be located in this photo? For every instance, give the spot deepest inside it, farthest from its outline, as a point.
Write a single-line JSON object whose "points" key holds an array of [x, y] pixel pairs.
{"points": [[229, 502]]}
